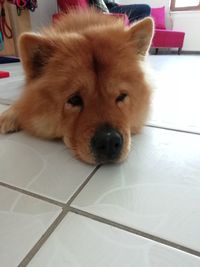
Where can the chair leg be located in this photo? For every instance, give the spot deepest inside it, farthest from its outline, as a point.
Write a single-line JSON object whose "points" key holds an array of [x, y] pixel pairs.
{"points": [[156, 51], [179, 50]]}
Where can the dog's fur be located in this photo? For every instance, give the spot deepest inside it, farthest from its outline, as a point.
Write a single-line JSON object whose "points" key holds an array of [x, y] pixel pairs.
{"points": [[92, 55]]}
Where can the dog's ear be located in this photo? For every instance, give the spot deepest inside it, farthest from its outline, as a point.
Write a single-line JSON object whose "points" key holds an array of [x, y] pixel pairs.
{"points": [[35, 51], [141, 35]]}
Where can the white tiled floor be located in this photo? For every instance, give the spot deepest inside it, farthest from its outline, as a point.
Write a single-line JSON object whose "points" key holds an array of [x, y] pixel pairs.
{"points": [[23, 220], [83, 242], [41, 166], [176, 92], [156, 191], [11, 87]]}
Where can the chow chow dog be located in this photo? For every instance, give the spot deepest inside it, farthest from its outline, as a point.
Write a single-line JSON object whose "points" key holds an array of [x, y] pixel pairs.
{"points": [[85, 83]]}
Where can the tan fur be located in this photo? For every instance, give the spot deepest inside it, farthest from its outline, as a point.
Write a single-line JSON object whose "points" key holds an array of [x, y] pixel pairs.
{"points": [[93, 54]]}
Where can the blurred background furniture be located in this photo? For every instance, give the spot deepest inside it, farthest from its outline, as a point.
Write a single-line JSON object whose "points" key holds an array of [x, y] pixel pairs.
{"points": [[165, 38]]}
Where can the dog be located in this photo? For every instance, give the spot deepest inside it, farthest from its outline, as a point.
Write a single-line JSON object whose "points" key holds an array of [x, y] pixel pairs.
{"points": [[85, 82]]}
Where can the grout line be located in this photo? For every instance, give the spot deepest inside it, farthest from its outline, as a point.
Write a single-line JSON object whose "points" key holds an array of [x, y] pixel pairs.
{"points": [[171, 129], [135, 231], [82, 185], [34, 195], [55, 223], [43, 238], [47, 199]]}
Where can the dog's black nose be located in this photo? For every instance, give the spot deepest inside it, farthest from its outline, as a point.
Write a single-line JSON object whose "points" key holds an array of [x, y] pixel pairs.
{"points": [[106, 144]]}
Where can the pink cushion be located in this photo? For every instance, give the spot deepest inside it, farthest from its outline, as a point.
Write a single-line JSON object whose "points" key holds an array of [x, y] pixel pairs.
{"points": [[158, 15]]}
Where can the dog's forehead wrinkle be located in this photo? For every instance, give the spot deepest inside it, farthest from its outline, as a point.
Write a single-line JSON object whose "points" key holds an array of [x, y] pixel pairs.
{"points": [[95, 63]]}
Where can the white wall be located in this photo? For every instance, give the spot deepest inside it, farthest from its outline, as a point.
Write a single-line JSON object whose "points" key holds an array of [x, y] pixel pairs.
{"points": [[43, 14], [189, 22]]}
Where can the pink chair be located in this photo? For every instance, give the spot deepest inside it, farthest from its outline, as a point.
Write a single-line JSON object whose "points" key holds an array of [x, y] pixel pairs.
{"points": [[164, 38]]}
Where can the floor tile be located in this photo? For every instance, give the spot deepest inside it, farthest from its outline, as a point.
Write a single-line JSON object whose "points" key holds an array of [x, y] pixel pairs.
{"points": [[10, 88], [81, 242], [176, 92], [156, 190], [23, 220], [41, 166]]}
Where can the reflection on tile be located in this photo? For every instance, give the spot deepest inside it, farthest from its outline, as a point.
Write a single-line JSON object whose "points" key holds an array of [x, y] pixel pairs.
{"points": [[176, 95], [81, 242], [23, 220], [44, 167], [156, 190]]}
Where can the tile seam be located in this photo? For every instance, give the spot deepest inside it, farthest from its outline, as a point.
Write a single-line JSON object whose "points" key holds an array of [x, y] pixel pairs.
{"points": [[135, 231], [66, 208]]}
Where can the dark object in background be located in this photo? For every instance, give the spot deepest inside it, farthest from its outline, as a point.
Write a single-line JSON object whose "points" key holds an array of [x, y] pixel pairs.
{"points": [[25, 4], [4, 60]]}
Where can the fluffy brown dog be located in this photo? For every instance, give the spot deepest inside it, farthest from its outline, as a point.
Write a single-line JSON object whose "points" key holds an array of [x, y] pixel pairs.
{"points": [[85, 83]]}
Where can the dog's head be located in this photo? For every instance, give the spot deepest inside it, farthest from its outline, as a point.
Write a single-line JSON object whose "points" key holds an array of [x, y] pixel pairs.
{"points": [[87, 87]]}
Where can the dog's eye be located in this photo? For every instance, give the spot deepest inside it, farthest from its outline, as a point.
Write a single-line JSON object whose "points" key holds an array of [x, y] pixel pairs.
{"points": [[75, 101], [121, 97]]}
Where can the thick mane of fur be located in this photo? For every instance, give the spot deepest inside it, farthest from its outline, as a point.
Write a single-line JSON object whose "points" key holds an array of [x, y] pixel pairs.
{"points": [[86, 20], [81, 73]]}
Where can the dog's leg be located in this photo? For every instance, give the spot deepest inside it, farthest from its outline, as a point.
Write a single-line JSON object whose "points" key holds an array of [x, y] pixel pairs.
{"points": [[9, 121]]}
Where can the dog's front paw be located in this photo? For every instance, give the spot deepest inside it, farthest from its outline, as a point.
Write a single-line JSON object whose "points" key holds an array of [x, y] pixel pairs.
{"points": [[8, 121]]}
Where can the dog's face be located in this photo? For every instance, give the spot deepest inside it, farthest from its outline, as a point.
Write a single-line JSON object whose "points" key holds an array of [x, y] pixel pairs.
{"points": [[89, 89]]}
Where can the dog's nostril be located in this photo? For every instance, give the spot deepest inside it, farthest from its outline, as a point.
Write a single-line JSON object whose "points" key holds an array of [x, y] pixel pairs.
{"points": [[103, 147], [107, 144], [117, 145]]}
